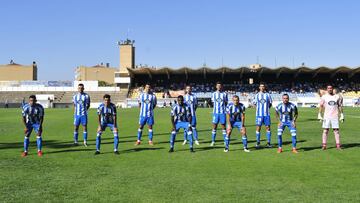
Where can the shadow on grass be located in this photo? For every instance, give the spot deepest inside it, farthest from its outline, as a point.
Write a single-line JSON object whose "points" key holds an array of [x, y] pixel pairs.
{"points": [[140, 149], [343, 146]]}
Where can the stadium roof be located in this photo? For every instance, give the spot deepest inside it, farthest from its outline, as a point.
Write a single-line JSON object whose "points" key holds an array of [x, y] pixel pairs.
{"points": [[332, 72]]}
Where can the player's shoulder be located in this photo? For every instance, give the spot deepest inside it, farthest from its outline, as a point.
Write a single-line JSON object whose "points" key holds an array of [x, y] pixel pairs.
{"points": [[101, 105], [25, 106], [38, 105]]}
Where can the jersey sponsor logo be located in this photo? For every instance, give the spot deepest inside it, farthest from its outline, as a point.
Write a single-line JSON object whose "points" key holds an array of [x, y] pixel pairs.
{"points": [[263, 101], [219, 100], [286, 113], [189, 101], [332, 103]]}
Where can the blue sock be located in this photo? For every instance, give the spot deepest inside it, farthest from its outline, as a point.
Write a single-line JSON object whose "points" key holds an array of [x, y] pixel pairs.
{"points": [[224, 135], [195, 133], [116, 141], [280, 131], [172, 139], [26, 143], [244, 140], [98, 141], [185, 135], [85, 136], [268, 136], [279, 140], [76, 135], [39, 142], [293, 138], [150, 134], [227, 142], [190, 138], [139, 134], [257, 137], [213, 135]]}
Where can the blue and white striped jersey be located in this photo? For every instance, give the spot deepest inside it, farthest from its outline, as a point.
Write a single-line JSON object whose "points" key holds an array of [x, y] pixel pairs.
{"points": [[191, 101], [181, 113], [33, 114], [235, 111], [219, 100], [286, 111], [107, 113], [263, 102], [81, 103], [147, 103]]}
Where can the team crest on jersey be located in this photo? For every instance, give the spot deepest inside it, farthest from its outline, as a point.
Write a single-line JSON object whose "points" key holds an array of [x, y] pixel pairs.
{"points": [[219, 100], [263, 101], [190, 102], [332, 103], [147, 101]]}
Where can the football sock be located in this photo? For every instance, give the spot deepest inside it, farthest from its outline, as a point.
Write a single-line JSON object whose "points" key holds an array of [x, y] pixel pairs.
{"points": [[26, 143], [213, 135], [39, 142], [150, 135], [172, 139], [139, 134]]}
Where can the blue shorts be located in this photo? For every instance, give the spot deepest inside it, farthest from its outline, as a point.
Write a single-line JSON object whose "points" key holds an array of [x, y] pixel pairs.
{"points": [[30, 127], [105, 125], [237, 125], [193, 121], [80, 120], [146, 120], [287, 124], [184, 125], [263, 120], [219, 118]]}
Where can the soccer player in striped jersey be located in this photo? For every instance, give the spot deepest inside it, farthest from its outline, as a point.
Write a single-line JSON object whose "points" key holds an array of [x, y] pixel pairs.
{"points": [[235, 117], [33, 117], [81, 102], [192, 103], [181, 118], [332, 104], [107, 118], [286, 113], [263, 102], [147, 103], [219, 99]]}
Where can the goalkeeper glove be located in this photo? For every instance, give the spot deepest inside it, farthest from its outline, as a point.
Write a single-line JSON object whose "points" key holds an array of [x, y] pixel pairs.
{"points": [[342, 117]]}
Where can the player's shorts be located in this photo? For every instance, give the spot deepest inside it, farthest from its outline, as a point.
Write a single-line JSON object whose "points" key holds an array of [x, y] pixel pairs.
{"points": [[193, 121], [105, 125], [263, 120], [237, 125], [146, 120], [80, 120], [281, 128], [219, 118], [180, 124], [31, 127], [334, 122]]}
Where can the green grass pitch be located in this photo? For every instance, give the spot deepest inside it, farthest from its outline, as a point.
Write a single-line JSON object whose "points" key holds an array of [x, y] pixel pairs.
{"points": [[150, 174]]}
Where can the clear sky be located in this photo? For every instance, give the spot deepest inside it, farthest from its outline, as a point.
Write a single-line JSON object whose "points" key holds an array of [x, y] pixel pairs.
{"points": [[63, 34]]}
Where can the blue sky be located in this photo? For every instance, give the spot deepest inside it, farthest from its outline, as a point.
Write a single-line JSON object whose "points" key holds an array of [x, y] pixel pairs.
{"points": [[61, 35]]}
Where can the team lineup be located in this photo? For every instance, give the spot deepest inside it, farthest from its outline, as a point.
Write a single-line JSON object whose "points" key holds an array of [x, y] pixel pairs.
{"points": [[229, 115]]}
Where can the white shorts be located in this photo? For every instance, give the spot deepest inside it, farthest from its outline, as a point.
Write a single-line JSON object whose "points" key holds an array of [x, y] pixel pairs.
{"points": [[333, 121]]}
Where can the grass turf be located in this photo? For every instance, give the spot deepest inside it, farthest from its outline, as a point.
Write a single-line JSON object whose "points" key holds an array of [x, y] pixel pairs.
{"points": [[150, 174]]}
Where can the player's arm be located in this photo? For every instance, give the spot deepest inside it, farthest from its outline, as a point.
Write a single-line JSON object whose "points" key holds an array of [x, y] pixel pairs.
{"points": [[172, 114], [296, 113], [340, 107], [155, 102], [41, 117], [270, 101], [115, 117], [190, 120], [195, 103], [88, 102], [321, 109]]}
